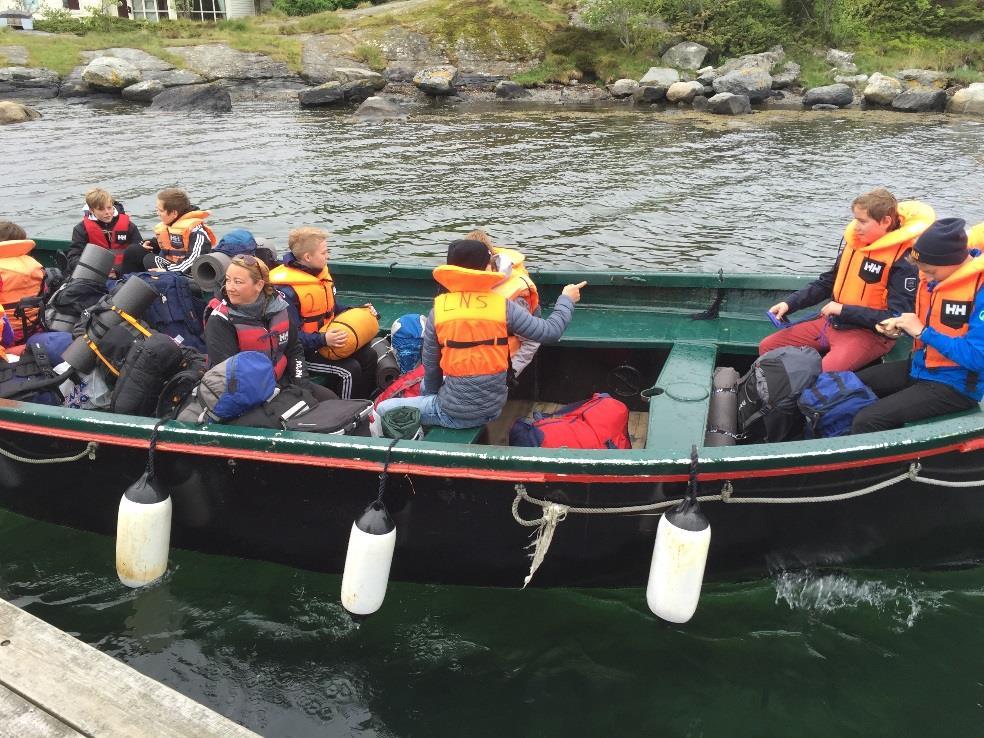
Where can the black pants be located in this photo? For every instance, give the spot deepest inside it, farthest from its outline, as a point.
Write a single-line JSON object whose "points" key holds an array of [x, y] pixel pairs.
{"points": [[133, 259], [351, 377], [904, 399]]}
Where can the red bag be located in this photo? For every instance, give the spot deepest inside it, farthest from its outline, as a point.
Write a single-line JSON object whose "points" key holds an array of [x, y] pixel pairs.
{"points": [[601, 422], [405, 385]]}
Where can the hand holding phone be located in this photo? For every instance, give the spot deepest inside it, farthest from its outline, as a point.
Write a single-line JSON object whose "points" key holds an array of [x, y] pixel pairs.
{"points": [[777, 322]]}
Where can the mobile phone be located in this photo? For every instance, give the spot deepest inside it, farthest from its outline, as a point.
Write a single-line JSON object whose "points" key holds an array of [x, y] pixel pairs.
{"points": [[777, 322]]}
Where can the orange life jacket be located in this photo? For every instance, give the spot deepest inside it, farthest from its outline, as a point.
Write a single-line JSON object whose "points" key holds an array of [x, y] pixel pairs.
{"points": [[470, 322], [948, 307], [975, 237], [518, 284], [862, 274], [315, 295], [179, 234], [20, 276]]}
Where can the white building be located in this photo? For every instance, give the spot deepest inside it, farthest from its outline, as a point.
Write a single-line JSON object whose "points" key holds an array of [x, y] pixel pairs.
{"points": [[207, 10]]}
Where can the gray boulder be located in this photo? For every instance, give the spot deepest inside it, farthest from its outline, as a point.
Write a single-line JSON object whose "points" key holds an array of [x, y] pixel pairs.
{"points": [[969, 100], [851, 80], [217, 61], [788, 77], [509, 90], [623, 88], [753, 82], [436, 81], [700, 104], [211, 98], [73, 85], [882, 90], [649, 94], [399, 72], [14, 55], [660, 76], [924, 78], [839, 95], [379, 108], [340, 93], [137, 57], [111, 73], [143, 91], [920, 101], [844, 69], [14, 112], [840, 59], [726, 103], [322, 53], [356, 74], [684, 92], [686, 55], [175, 77], [29, 82], [765, 61], [706, 76]]}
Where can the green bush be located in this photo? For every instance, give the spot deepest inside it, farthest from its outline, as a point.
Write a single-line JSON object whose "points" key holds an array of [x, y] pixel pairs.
{"points": [[310, 7], [58, 20]]}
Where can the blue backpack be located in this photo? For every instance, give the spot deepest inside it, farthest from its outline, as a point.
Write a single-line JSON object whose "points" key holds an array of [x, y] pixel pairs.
{"points": [[231, 388], [407, 340], [180, 311], [831, 403]]}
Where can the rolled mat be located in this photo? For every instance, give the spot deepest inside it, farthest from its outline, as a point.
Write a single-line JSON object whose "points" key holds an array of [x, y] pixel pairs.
{"points": [[402, 422], [722, 416]]}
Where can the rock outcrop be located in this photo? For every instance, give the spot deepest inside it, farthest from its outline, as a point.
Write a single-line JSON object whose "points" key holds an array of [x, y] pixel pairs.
{"points": [[379, 108], [881, 90], [508, 90], [111, 73], [144, 91], [36, 82], [840, 95], [968, 100], [753, 82], [14, 112], [212, 98], [660, 77], [920, 101], [726, 103], [437, 81], [623, 88], [684, 92], [356, 89], [685, 55]]}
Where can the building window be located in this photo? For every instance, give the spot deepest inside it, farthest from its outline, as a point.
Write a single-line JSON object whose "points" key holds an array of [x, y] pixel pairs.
{"points": [[70, 4], [149, 9], [205, 10]]}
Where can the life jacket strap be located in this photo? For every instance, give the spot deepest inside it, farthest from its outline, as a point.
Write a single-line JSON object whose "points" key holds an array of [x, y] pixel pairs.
{"points": [[502, 341]]}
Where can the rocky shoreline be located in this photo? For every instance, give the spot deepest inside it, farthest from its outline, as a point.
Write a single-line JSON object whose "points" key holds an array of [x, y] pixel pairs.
{"points": [[416, 74]]}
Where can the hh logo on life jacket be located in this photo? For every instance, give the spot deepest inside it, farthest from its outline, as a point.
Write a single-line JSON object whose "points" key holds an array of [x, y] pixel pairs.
{"points": [[121, 237], [955, 313], [282, 337], [871, 271]]}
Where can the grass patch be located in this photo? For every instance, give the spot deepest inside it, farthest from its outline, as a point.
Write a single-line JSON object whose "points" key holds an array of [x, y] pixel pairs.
{"points": [[962, 59], [593, 56], [372, 56]]}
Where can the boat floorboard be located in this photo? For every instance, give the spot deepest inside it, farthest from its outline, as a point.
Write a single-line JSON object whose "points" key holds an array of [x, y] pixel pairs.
{"points": [[497, 431]]}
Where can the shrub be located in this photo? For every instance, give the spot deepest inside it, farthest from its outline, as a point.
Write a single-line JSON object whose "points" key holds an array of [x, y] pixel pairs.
{"points": [[58, 20], [310, 7]]}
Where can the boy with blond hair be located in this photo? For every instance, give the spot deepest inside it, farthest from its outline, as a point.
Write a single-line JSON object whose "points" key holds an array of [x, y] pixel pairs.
{"points": [[106, 224], [308, 287], [872, 280]]}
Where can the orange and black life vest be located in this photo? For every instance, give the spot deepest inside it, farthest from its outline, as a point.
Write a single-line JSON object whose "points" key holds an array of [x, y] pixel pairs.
{"points": [[862, 274], [179, 234], [315, 294], [975, 237], [949, 306], [21, 275], [113, 238], [270, 339], [470, 322], [517, 284]]}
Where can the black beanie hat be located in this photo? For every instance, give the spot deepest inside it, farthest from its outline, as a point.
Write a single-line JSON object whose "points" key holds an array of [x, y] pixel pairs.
{"points": [[944, 243], [469, 254]]}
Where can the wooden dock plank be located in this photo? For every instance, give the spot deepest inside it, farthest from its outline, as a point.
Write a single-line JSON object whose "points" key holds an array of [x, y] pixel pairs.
{"points": [[91, 691], [18, 717]]}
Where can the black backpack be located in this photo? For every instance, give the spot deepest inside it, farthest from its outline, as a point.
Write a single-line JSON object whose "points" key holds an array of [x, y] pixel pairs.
{"points": [[180, 310], [295, 408], [31, 379], [767, 394]]}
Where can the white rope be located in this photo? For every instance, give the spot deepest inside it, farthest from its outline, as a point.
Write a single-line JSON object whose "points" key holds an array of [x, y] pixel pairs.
{"points": [[554, 512], [90, 451]]}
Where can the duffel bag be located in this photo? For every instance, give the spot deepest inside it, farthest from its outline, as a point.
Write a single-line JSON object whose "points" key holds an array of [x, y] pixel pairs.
{"points": [[601, 422], [295, 408]]}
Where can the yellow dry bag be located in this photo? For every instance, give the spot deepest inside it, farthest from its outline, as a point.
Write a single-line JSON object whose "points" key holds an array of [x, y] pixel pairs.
{"points": [[360, 324]]}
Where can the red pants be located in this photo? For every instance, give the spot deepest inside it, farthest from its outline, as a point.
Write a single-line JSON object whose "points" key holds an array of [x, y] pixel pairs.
{"points": [[843, 350]]}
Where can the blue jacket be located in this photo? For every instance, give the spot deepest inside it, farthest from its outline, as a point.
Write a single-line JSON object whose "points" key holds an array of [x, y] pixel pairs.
{"points": [[967, 351]]}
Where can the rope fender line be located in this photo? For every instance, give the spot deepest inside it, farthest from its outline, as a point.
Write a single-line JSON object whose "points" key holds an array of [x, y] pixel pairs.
{"points": [[554, 512], [90, 451]]}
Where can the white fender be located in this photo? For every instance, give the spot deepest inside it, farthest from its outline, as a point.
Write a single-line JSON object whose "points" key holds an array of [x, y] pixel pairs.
{"points": [[367, 561], [143, 533], [677, 570]]}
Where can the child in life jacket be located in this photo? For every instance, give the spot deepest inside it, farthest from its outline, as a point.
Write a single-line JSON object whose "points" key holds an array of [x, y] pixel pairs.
{"points": [[181, 236], [946, 371], [106, 224], [307, 285], [21, 276], [465, 350], [516, 285], [870, 281]]}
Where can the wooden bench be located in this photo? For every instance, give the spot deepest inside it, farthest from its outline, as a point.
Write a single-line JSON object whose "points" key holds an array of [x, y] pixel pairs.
{"points": [[678, 414], [439, 434]]}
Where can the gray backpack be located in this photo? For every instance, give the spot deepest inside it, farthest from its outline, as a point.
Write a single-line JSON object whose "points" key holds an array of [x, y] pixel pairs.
{"points": [[767, 394]]}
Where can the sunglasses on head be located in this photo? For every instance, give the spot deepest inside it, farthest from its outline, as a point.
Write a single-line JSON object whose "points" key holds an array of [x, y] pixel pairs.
{"points": [[245, 260]]}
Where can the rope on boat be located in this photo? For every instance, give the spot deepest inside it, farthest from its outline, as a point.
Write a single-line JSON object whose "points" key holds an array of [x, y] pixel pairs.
{"points": [[555, 512], [90, 451]]}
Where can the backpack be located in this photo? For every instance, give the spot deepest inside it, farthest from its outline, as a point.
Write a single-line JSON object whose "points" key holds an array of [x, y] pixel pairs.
{"points": [[66, 304], [32, 378], [767, 393], [601, 422], [832, 402], [180, 311], [296, 409], [231, 388], [405, 385], [407, 339], [148, 365], [178, 390]]}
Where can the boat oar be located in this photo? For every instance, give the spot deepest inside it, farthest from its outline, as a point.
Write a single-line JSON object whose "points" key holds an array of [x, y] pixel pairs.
{"points": [[676, 574]]}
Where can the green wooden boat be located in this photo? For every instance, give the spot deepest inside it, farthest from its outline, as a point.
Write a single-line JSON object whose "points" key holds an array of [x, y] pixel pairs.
{"points": [[465, 505]]}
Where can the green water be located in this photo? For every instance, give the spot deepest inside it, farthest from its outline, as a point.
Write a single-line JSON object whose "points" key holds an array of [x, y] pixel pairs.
{"points": [[883, 653], [880, 653]]}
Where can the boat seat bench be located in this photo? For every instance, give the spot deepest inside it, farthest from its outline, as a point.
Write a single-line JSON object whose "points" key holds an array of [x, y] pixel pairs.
{"points": [[678, 415], [949, 416], [439, 434]]}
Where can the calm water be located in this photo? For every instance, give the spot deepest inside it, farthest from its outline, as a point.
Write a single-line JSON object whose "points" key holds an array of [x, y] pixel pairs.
{"points": [[816, 653]]}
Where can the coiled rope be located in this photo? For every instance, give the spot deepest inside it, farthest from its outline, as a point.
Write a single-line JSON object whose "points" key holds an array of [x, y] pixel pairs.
{"points": [[90, 451], [555, 512]]}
